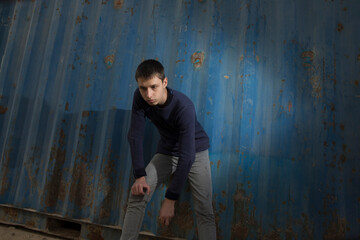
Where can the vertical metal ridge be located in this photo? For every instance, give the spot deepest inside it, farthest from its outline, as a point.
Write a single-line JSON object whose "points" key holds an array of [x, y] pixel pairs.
{"points": [[60, 78], [33, 112], [14, 96]]}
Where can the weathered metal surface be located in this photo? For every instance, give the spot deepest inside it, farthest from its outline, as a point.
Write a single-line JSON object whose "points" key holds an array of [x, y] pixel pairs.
{"points": [[275, 85], [56, 225]]}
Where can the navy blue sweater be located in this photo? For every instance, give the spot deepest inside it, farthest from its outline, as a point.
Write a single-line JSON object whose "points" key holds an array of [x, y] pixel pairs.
{"points": [[181, 135]]}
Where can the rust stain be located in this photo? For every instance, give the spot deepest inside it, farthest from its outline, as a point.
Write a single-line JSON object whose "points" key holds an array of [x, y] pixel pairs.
{"points": [[316, 87], [11, 213], [83, 127], [180, 60], [109, 61], [183, 220], [95, 233], [289, 106], [356, 83], [332, 107], [67, 106], [340, 27], [197, 59], [342, 127], [3, 109], [88, 2], [257, 58], [81, 190], [242, 222], [55, 187], [218, 163], [337, 227], [4, 181], [118, 4], [342, 158], [78, 20], [358, 57], [85, 114], [226, 77], [32, 168], [308, 57], [107, 183], [222, 207], [307, 226], [31, 223]]}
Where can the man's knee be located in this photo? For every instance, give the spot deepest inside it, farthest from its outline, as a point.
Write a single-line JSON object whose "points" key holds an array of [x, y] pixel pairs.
{"points": [[138, 200]]}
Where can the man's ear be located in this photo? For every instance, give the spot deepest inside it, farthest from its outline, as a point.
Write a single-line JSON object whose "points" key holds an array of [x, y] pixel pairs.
{"points": [[165, 82]]}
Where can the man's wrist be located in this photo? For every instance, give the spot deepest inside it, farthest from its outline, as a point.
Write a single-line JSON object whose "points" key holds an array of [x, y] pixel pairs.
{"points": [[170, 201], [141, 178], [139, 173]]}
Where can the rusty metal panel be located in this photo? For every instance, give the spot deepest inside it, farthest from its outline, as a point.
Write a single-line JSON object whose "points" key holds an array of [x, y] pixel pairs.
{"points": [[275, 85]]}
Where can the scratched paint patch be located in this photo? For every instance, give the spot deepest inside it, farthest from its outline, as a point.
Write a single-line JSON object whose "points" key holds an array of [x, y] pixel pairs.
{"points": [[197, 59], [109, 61]]}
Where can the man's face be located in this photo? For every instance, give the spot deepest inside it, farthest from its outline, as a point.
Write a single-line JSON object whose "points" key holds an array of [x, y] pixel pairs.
{"points": [[153, 90]]}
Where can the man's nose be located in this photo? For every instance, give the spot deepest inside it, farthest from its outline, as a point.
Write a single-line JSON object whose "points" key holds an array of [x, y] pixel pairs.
{"points": [[148, 93]]}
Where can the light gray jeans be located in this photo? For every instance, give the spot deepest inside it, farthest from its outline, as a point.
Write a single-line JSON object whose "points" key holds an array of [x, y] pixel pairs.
{"points": [[158, 171]]}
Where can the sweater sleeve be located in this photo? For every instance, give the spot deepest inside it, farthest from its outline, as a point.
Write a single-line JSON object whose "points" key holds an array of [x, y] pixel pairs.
{"points": [[136, 136], [186, 123]]}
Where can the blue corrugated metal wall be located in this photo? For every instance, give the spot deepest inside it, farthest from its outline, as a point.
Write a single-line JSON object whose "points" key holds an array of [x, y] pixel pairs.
{"points": [[275, 85]]}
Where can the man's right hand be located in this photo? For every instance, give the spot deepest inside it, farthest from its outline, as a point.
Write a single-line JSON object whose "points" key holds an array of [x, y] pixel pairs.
{"points": [[140, 187]]}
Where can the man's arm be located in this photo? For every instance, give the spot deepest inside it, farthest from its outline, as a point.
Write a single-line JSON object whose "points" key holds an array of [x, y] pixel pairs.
{"points": [[186, 123], [135, 138]]}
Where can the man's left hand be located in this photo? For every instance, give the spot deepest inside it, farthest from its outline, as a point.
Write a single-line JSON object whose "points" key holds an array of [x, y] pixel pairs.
{"points": [[166, 212]]}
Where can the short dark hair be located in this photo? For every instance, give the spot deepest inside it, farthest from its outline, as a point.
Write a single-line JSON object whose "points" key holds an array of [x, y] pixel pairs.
{"points": [[149, 69]]}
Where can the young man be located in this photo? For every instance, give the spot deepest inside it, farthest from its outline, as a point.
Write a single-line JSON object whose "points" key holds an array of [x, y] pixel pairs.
{"points": [[182, 152]]}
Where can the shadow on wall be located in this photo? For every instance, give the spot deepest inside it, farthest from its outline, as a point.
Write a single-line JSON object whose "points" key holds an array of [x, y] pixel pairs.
{"points": [[73, 164]]}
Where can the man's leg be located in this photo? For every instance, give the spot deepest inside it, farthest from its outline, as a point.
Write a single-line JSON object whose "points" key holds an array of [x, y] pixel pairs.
{"points": [[158, 170], [201, 189]]}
